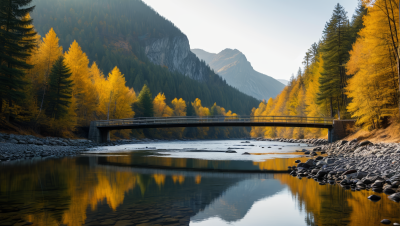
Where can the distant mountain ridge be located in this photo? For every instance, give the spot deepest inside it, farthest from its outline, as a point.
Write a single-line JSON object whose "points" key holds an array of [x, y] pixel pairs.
{"points": [[283, 81], [233, 66]]}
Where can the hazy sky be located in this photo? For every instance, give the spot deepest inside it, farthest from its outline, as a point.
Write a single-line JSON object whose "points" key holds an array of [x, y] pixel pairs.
{"points": [[273, 34]]}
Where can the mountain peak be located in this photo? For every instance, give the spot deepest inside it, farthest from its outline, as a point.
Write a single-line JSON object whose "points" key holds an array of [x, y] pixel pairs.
{"points": [[233, 66]]}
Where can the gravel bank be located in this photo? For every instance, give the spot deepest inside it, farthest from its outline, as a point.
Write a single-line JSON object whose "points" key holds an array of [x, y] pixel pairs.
{"points": [[18, 147], [356, 166], [315, 142]]}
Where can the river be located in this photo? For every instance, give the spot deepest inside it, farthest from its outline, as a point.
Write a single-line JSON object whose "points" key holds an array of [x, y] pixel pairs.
{"points": [[180, 183]]}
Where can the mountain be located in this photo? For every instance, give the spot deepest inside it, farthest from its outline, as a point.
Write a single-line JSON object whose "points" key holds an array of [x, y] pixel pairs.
{"points": [[284, 81], [146, 47], [232, 65]]}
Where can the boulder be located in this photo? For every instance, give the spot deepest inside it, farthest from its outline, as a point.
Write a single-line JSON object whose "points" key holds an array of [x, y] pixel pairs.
{"points": [[303, 166], [361, 174], [363, 143], [374, 198], [389, 191], [310, 162], [395, 197]]}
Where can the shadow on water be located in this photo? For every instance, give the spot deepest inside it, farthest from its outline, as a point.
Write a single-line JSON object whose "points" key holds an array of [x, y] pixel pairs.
{"points": [[114, 190]]}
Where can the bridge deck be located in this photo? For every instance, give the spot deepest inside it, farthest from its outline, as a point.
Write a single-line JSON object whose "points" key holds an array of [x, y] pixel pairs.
{"points": [[244, 121]]}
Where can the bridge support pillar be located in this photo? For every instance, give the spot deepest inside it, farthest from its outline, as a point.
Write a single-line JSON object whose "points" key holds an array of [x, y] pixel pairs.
{"points": [[340, 130], [98, 135]]}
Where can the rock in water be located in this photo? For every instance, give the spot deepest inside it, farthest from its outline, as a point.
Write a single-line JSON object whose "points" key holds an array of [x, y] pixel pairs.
{"points": [[395, 197], [385, 221], [297, 161], [246, 153], [374, 198]]}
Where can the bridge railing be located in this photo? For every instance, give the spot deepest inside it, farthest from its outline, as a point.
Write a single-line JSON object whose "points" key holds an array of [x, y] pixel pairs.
{"points": [[210, 119]]}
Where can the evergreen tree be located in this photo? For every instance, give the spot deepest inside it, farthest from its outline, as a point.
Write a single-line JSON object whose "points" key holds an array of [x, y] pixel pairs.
{"points": [[16, 41], [145, 103], [357, 21], [60, 90], [335, 49]]}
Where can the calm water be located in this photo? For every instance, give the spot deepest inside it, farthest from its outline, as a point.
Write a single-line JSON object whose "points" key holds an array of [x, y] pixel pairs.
{"points": [[185, 183]]}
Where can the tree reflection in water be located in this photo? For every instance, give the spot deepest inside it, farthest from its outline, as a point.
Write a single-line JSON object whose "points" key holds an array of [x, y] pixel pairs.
{"points": [[111, 189]]}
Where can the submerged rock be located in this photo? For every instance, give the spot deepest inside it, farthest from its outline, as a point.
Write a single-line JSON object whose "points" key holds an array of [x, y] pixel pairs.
{"points": [[374, 198], [385, 221]]}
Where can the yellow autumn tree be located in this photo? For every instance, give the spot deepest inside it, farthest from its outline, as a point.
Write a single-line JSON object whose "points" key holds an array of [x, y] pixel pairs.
{"points": [[179, 106], [84, 89], [161, 109], [373, 61]]}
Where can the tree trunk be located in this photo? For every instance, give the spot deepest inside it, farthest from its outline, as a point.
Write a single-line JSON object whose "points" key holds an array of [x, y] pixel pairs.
{"points": [[338, 108]]}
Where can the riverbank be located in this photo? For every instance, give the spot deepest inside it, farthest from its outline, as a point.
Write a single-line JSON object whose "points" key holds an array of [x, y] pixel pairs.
{"points": [[19, 147], [355, 165]]}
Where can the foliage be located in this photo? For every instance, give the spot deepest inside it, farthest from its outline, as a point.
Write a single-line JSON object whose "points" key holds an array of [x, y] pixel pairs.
{"points": [[373, 61], [60, 90], [17, 39]]}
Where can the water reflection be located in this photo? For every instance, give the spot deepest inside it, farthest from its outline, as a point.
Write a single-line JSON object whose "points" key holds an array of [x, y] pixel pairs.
{"points": [[113, 190]]}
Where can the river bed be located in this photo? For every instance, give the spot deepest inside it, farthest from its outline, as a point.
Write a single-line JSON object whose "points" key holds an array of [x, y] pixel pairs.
{"points": [[180, 183]]}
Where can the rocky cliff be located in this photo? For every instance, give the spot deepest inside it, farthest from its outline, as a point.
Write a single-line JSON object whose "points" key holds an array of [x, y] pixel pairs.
{"points": [[174, 53], [232, 65]]}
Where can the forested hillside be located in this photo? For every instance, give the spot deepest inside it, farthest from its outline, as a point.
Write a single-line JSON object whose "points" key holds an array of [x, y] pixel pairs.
{"points": [[351, 73], [55, 89], [114, 33]]}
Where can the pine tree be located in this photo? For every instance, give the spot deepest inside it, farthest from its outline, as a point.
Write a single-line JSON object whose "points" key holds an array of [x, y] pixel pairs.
{"points": [[145, 103], [60, 90], [16, 42], [335, 54], [357, 20]]}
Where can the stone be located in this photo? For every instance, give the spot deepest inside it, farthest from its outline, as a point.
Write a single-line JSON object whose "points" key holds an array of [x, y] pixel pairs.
{"points": [[313, 153], [374, 198], [303, 165], [246, 153], [349, 172], [395, 197], [385, 221], [310, 162], [363, 143], [361, 174], [321, 163], [14, 141], [319, 158], [230, 152], [389, 191], [297, 161], [307, 152]]}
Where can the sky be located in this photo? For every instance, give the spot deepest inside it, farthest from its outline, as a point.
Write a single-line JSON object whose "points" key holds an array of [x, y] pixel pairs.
{"points": [[273, 34]]}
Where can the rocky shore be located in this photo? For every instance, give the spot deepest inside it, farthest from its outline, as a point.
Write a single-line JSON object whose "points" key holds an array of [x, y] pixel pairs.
{"points": [[19, 147], [315, 142], [355, 165]]}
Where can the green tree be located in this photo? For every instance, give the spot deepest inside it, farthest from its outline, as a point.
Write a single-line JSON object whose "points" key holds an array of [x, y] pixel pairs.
{"points": [[144, 106], [60, 90], [16, 42], [357, 21], [335, 50]]}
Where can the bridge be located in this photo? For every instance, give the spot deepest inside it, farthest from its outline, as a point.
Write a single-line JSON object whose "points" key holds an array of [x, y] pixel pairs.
{"points": [[99, 131]]}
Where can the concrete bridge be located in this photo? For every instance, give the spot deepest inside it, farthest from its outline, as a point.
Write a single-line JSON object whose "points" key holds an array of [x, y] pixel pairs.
{"points": [[100, 130]]}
